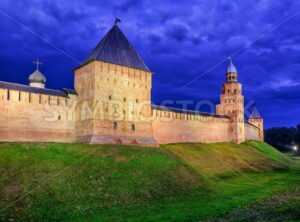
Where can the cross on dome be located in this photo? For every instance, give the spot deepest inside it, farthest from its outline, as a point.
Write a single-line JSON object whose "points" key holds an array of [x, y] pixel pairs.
{"points": [[37, 62], [37, 79]]}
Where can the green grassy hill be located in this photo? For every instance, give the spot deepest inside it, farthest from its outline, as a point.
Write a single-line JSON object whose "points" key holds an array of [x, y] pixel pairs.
{"points": [[176, 182], [222, 159]]}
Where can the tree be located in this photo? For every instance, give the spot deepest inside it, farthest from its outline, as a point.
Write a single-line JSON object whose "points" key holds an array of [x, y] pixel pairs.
{"points": [[283, 138]]}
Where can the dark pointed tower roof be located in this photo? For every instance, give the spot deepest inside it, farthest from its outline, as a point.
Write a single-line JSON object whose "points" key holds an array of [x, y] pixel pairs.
{"points": [[255, 114], [116, 49]]}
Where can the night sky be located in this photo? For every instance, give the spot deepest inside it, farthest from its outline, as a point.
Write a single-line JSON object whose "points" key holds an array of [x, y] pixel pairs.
{"points": [[180, 41]]}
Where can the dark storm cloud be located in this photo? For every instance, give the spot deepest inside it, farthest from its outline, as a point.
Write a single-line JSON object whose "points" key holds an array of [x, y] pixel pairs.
{"points": [[153, 38], [177, 32], [179, 41]]}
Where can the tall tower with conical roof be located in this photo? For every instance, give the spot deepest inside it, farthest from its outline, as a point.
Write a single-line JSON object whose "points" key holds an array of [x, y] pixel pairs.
{"points": [[232, 104], [114, 94], [256, 119]]}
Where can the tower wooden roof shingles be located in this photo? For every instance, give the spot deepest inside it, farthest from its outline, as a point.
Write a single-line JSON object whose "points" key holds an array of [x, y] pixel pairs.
{"points": [[115, 48]]}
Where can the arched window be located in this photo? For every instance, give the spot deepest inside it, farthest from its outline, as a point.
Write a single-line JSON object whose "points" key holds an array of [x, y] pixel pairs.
{"points": [[132, 127], [115, 125]]}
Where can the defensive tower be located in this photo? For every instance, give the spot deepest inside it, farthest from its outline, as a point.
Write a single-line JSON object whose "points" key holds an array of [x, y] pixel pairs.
{"points": [[113, 87], [257, 120], [232, 104]]}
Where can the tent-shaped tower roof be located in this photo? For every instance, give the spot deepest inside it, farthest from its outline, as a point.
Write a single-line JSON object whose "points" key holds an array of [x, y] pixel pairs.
{"points": [[116, 49]]}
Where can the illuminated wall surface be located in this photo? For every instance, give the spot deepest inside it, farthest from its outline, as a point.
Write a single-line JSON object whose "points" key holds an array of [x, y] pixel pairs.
{"points": [[111, 103]]}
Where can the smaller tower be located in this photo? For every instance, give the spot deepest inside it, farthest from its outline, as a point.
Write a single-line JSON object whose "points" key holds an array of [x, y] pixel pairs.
{"points": [[257, 120], [37, 79]]}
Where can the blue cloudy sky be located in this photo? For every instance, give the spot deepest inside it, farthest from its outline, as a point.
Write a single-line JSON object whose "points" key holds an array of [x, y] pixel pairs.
{"points": [[178, 40]]}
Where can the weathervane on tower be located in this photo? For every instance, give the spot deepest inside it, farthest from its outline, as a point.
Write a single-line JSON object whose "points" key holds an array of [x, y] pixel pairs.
{"points": [[117, 20]]}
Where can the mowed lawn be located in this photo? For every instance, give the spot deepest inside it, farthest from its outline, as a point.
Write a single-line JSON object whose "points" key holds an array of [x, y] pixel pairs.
{"points": [[176, 182]]}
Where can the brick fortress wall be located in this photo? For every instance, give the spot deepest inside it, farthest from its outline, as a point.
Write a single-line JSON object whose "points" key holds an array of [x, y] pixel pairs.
{"points": [[173, 127], [251, 132], [43, 118], [35, 117]]}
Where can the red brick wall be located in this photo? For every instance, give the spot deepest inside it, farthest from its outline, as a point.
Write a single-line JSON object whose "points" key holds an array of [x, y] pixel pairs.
{"points": [[251, 132], [44, 120], [171, 127]]}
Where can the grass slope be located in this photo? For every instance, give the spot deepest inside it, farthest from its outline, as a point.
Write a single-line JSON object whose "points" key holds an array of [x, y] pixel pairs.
{"points": [[225, 159], [177, 182]]}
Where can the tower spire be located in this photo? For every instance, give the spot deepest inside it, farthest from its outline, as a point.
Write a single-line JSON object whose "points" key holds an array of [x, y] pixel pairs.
{"points": [[255, 113], [231, 73], [231, 68]]}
